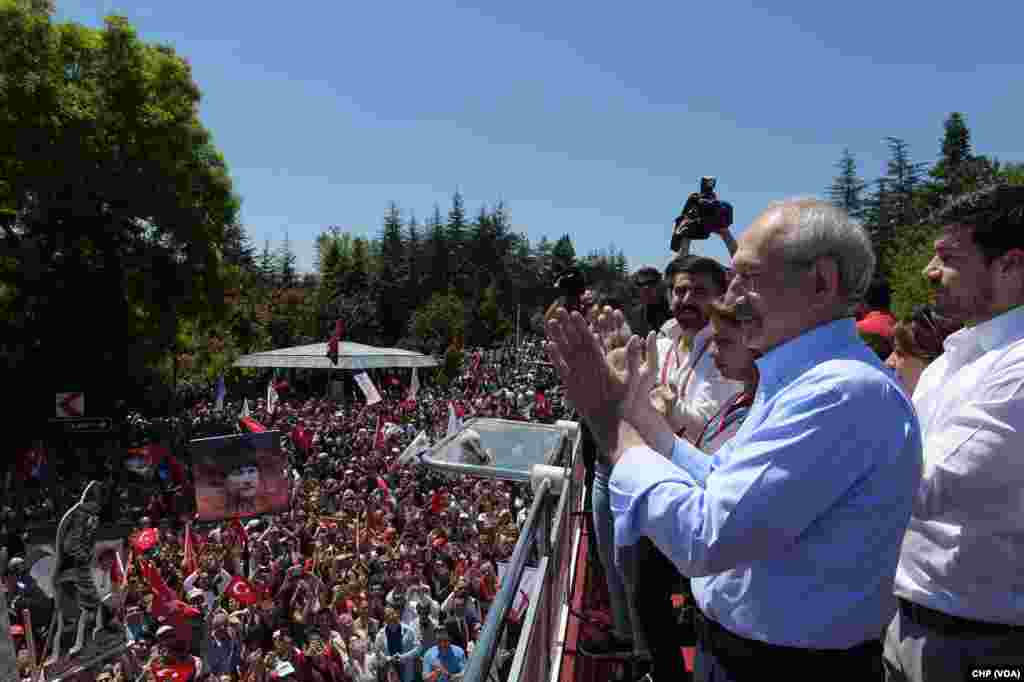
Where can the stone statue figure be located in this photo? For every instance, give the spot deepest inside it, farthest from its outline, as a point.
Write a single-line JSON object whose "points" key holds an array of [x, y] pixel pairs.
{"points": [[77, 603]]}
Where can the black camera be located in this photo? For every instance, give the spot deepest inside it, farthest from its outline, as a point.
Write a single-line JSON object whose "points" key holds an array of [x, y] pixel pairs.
{"points": [[702, 214], [571, 285]]}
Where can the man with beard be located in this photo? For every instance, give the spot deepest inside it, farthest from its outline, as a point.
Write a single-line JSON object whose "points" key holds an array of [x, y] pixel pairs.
{"points": [[959, 576], [692, 391], [689, 381], [809, 502]]}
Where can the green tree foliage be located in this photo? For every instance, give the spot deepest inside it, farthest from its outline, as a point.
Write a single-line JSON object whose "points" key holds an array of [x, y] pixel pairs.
{"points": [[358, 275], [563, 254], [493, 326], [895, 212], [457, 237], [847, 188], [1012, 173], [391, 309], [287, 275], [119, 213], [440, 320], [440, 255]]}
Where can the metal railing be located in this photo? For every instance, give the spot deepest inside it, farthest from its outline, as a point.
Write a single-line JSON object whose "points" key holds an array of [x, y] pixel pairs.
{"points": [[549, 536]]}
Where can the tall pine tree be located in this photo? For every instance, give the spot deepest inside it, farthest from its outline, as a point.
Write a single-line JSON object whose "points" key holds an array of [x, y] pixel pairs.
{"points": [[414, 261], [439, 255], [847, 187], [390, 307], [903, 178], [287, 275], [456, 234]]}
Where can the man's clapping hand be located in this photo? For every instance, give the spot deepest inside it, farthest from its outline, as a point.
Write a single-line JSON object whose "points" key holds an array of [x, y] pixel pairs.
{"points": [[608, 384], [595, 385]]}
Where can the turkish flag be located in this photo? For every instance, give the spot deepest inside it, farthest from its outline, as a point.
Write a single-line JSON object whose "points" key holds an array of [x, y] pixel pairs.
{"points": [[241, 591], [251, 425], [181, 672], [145, 540], [163, 596]]}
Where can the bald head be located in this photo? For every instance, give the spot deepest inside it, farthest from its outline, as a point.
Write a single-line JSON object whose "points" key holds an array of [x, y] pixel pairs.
{"points": [[801, 263]]}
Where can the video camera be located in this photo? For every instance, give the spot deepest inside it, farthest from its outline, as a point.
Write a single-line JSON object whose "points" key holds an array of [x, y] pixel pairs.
{"points": [[571, 285], [702, 214]]}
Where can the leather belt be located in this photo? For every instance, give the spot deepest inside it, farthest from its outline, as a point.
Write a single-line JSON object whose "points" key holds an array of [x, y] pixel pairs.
{"points": [[953, 625]]}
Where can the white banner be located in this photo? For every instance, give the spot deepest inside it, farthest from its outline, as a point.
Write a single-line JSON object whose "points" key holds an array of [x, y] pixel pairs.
{"points": [[524, 595], [369, 390], [454, 422], [271, 397], [414, 387]]}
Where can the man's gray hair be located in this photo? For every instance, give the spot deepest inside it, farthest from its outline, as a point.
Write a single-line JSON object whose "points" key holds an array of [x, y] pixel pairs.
{"points": [[819, 229]]}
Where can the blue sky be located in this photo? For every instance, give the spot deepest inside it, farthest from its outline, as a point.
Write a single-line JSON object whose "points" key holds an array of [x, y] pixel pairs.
{"points": [[594, 119]]}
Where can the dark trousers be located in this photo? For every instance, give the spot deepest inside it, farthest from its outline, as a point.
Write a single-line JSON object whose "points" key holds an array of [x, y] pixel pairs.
{"points": [[588, 450], [725, 657], [659, 579]]}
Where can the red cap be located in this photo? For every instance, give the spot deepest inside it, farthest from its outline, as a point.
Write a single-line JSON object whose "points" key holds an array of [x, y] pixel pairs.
{"points": [[17, 631], [878, 323]]}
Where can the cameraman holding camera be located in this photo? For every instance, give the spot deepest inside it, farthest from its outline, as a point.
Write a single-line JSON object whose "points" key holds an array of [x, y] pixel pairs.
{"points": [[703, 214]]}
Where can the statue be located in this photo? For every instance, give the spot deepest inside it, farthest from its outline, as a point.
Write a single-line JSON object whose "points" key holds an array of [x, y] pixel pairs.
{"points": [[77, 603], [471, 449]]}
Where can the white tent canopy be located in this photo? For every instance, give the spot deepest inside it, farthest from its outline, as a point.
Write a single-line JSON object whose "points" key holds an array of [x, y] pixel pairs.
{"points": [[352, 356]]}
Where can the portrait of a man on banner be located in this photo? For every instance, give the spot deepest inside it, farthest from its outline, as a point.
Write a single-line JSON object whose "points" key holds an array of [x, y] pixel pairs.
{"points": [[239, 476]]}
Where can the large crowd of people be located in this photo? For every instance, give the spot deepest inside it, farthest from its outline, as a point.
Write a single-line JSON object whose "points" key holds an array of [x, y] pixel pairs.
{"points": [[373, 568]]}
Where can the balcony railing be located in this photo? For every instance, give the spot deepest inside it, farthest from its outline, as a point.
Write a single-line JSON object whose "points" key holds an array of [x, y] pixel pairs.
{"points": [[529, 650]]}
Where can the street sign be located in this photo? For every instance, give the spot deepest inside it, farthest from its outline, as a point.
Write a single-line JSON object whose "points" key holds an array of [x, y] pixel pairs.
{"points": [[83, 425], [71, 404]]}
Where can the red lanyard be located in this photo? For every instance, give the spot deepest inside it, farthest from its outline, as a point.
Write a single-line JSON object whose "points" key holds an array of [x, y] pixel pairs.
{"points": [[674, 353], [741, 400]]}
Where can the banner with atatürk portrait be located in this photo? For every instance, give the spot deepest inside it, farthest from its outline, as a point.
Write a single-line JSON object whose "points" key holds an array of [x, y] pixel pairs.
{"points": [[239, 476]]}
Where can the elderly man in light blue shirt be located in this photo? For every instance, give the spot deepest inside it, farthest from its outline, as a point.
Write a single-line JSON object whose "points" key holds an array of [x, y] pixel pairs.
{"points": [[792, 530]]}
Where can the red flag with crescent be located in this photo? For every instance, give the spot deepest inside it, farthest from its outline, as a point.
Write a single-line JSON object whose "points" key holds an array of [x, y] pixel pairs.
{"points": [[181, 672], [145, 540], [241, 591]]}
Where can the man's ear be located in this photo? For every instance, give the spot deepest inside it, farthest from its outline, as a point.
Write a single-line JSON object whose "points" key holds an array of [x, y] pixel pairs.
{"points": [[1012, 261], [826, 279]]}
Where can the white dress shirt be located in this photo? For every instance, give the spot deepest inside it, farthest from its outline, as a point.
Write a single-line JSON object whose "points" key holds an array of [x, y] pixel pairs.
{"points": [[963, 553], [706, 391]]}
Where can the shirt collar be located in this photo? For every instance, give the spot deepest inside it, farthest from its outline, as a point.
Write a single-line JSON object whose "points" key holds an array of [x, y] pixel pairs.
{"points": [[673, 330], [781, 364], [1000, 330]]}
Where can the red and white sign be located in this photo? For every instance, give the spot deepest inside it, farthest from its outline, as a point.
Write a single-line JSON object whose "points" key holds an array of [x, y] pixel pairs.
{"points": [[70, 404]]}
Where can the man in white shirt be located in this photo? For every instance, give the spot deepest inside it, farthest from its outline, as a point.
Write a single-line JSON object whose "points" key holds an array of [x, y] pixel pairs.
{"points": [[687, 370], [695, 390], [960, 579]]}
